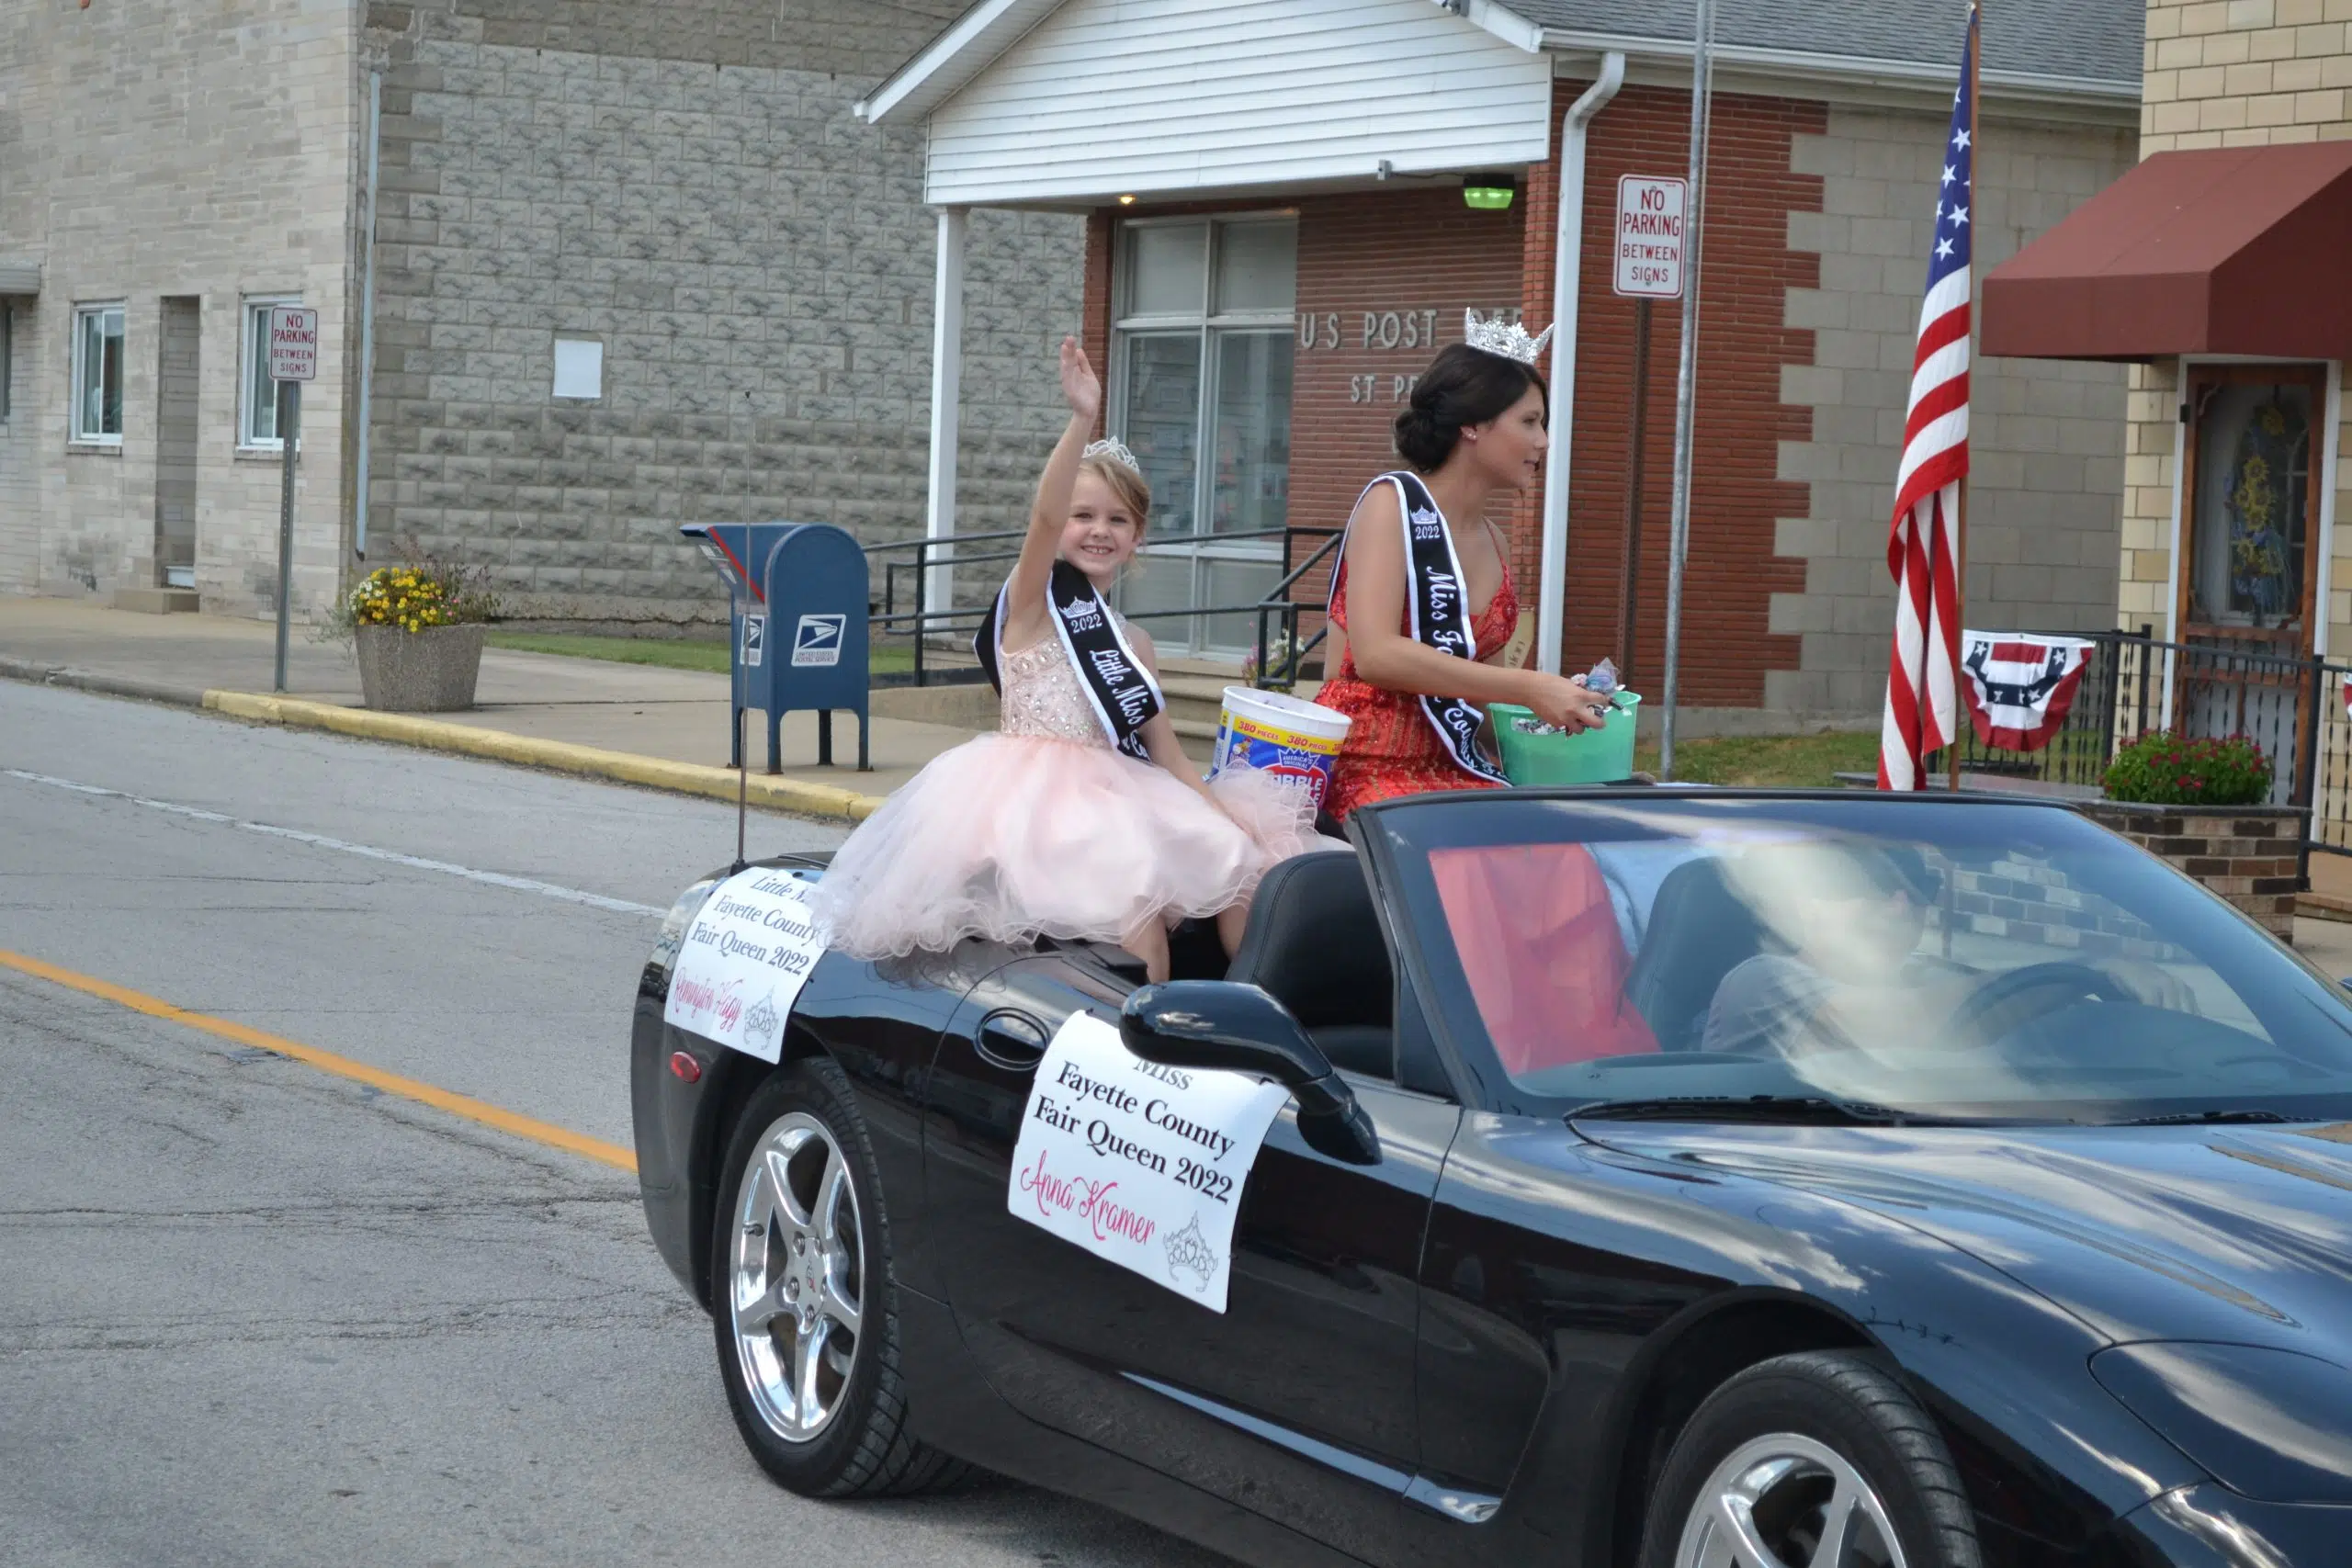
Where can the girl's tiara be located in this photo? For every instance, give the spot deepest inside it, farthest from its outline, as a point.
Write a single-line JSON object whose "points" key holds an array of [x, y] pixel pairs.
{"points": [[1111, 451]]}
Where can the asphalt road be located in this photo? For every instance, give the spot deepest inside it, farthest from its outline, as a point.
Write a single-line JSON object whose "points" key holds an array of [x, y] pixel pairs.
{"points": [[255, 1313]]}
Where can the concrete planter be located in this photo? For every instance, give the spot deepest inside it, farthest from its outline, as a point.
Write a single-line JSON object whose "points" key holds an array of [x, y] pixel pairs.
{"points": [[2248, 855], [430, 671]]}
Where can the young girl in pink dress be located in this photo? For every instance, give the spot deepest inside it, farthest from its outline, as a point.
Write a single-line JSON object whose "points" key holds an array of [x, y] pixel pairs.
{"points": [[1081, 817]]}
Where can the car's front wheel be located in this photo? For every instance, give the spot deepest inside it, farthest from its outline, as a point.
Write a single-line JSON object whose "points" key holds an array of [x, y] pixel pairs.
{"points": [[802, 1298], [1814, 1460]]}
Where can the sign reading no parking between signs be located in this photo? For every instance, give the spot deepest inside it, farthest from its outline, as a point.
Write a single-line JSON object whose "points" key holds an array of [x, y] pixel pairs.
{"points": [[1141, 1165]]}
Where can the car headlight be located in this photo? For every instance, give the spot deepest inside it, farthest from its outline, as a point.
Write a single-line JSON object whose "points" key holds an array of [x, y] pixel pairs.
{"points": [[673, 924], [2274, 1426]]}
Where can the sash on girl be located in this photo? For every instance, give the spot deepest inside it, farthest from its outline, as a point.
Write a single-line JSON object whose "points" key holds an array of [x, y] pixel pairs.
{"points": [[1120, 689], [1435, 614]]}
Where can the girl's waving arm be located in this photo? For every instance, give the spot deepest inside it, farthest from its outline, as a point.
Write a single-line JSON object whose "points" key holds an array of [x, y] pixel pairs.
{"points": [[1024, 621]]}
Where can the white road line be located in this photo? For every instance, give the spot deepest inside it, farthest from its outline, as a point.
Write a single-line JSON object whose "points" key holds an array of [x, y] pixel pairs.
{"points": [[343, 846]]}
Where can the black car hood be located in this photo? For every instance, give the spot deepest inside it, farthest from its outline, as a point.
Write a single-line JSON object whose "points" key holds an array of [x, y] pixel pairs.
{"points": [[2234, 1233]]}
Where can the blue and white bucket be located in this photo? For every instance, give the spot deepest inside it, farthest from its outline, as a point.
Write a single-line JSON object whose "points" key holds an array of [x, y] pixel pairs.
{"points": [[1290, 740]]}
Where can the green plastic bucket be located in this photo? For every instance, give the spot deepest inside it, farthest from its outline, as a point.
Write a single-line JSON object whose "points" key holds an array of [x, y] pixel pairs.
{"points": [[1535, 753]]}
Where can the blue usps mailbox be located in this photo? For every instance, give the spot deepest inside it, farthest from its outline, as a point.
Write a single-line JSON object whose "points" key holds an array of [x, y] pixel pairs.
{"points": [[798, 597]]}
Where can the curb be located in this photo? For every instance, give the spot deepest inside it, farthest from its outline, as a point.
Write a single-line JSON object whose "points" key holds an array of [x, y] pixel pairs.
{"points": [[560, 756], [110, 685]]}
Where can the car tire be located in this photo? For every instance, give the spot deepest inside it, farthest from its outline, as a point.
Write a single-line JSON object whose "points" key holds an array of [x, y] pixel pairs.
{"points": [[1796, 1445], [803, 1300]]}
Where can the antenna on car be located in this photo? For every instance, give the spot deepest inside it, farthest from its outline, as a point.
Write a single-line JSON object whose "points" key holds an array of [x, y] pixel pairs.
{"points": [[742, 754]]}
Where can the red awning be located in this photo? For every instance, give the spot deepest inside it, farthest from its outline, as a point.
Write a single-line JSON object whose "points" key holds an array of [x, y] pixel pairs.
{"points": [[2232, 250]]}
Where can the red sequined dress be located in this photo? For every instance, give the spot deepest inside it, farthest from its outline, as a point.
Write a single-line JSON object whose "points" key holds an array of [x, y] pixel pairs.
{"points": [[1392, 749]]}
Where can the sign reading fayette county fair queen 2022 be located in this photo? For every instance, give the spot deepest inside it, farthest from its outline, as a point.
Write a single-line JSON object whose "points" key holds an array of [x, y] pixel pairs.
{"points": [[743, 961], [1140, 1165]]}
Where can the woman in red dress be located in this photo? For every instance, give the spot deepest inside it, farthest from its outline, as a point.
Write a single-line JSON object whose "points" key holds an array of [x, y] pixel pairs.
{"points": [[1423, 615]]}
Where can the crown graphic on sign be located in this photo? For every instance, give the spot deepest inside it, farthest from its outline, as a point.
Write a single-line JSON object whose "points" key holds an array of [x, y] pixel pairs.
{"points": [[1111, 451], [761, 1021], [1507, 339]]}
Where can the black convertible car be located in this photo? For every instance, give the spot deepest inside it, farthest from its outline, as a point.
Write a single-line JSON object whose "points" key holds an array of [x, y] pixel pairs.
{"points": [[1678, 1178]]}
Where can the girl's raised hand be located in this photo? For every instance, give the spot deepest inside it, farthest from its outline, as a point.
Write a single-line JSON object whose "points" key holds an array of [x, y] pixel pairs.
{"points": [[1080, 384]]}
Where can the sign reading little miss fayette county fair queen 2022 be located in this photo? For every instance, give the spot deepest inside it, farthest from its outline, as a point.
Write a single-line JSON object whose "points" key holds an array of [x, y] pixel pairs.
{"points": [[1140, 1165], [743, 960]]}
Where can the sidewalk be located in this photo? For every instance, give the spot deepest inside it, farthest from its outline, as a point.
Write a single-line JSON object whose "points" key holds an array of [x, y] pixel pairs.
{"points": [[638, 723]]}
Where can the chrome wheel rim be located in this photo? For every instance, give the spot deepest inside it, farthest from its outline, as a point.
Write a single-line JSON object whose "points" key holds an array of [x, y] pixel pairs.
{"points": [[1785, 1501], [797, 1280]]}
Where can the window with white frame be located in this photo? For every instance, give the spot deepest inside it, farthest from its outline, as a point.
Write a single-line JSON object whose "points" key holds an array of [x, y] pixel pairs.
{"points": [[257, 395], [1202, 359], [97, 374]]}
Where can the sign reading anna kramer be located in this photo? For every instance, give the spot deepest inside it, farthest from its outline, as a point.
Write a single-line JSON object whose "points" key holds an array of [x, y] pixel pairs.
{"points": [[743, 961], [1139, 1164]]}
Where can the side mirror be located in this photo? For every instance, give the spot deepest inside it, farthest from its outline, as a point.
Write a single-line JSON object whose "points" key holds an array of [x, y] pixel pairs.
{"points": [[1222, 1026]]}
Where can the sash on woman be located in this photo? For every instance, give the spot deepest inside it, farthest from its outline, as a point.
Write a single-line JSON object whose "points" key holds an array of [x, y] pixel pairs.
{"points": [[1121, 691], [1435, 614]]}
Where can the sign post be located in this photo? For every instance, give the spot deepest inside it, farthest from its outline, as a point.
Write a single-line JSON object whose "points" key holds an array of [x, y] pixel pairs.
{"points": [[1648, 266], [1686, 379], [293, 359]]}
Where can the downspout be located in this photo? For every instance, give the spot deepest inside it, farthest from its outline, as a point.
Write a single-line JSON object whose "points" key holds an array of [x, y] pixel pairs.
{"points": [[367, 312], [1568, 262]]}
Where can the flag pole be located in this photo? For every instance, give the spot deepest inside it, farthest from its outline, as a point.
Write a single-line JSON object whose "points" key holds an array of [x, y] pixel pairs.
{"points": [[1960, 523]]}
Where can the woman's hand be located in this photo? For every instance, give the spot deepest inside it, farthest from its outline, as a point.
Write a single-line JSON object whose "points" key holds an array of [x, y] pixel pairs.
{"points": [[1081, 386], [1563, 702]]}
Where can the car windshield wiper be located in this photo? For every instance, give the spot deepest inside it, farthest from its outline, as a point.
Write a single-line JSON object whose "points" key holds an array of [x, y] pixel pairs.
{"points": [[1802, 1107], [2206, 1119]]}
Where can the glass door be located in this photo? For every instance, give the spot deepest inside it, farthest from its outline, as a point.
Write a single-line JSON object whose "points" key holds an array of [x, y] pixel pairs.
{"points": [[1202, 363], [2252, 555]]}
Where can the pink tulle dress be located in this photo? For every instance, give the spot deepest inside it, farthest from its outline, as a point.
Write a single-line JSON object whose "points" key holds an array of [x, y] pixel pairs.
{"points": [[1044, 830]]}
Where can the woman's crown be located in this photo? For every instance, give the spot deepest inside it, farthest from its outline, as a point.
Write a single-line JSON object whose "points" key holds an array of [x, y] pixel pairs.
{"points": [[1111, 451], [1507, 339]]}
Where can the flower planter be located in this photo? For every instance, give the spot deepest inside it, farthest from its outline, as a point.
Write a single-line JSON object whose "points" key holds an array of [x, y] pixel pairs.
{"points": [[431, 670], [2248, 855]]}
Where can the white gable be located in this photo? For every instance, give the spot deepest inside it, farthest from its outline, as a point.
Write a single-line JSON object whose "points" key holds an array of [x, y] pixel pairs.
{"points": [[1171, 98]]}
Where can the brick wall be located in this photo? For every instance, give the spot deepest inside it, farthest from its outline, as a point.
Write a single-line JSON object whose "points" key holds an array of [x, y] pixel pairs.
{"points": [[154, 151], [2228, 74], [2245, 72], [2046, 437], [1741, 419], [2247, 856], [683, 181]]}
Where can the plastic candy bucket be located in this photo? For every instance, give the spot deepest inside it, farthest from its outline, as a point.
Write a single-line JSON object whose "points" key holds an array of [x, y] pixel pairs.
{"points": [[1287, 738], [1534, 753]]}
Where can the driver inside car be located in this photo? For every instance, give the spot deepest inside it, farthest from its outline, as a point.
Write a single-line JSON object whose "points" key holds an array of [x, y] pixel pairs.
{"points": [[1848, 918]]}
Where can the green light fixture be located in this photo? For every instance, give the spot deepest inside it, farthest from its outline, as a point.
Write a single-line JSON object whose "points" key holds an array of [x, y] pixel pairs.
{"points": [[1490, 192]]}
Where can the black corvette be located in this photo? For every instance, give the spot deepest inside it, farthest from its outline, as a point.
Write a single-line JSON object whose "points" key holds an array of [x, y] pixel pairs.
{"points": [[1673, 1178]]}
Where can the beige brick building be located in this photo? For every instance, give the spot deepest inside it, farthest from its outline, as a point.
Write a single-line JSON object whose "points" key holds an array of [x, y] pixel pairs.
{"points": [[2235, 497], [674, 189], [2233, 73]]}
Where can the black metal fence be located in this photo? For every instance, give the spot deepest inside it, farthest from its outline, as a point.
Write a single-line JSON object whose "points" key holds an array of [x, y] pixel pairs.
{"points": [[903, 615], [2291, 706]]}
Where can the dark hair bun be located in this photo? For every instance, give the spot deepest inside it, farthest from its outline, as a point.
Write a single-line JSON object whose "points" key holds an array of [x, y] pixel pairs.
{"points": [[1463, 385], [1420, 441]]}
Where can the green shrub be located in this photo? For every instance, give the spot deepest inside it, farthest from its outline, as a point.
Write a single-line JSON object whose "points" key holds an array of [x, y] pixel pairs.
{"points": [[2165, 769]]}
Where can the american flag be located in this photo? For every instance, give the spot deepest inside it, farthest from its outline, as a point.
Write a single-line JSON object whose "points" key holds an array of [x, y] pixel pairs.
{"points": [[1923, 543]]}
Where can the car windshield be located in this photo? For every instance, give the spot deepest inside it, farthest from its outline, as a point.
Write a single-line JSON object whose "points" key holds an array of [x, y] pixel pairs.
{"points": [[1871, 958]]}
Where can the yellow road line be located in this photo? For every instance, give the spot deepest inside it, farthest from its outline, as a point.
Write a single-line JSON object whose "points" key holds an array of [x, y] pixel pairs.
{"points": [[479, 1112]]}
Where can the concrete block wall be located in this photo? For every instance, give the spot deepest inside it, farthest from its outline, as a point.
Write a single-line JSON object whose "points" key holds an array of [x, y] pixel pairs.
{"points": [[683, 181], [2047, 438], [2245, 72], [149, 151]]}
